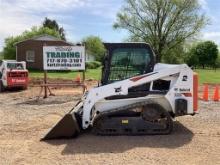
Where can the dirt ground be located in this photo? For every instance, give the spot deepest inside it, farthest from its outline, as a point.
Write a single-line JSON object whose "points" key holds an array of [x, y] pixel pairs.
{"points": [[24, 121]]}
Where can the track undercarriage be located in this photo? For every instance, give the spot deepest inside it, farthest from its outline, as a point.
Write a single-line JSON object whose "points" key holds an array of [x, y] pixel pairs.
{"points": [[142, 118], [136, 119]]}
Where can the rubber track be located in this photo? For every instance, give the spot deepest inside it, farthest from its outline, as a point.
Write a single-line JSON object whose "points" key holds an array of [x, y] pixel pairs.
{"points": [[102, 115]]}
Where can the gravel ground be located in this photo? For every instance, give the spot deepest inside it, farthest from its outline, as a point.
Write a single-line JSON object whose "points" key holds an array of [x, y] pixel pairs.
{"points": [[24, 121]]}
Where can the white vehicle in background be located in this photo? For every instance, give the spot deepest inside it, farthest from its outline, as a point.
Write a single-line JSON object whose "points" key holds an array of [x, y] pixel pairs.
{"points": [[13, 74]]}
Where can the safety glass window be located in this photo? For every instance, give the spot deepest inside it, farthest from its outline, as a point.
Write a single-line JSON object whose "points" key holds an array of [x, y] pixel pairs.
{"points": [[127, 63]]}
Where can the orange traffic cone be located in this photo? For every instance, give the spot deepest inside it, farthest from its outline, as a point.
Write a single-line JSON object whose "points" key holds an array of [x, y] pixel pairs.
{"points": [[216, 94], [78, 78], [206, 93]]}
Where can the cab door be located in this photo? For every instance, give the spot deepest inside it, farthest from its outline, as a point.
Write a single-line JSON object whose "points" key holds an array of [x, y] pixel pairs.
{"points": [[126, 60]]}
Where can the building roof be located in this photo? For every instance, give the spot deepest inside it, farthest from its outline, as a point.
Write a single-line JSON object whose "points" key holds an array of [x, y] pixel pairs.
{"points": [[44, 37]]}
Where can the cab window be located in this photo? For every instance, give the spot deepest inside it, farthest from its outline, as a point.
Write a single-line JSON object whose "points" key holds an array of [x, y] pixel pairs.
{"points": [[16, 66], [127, 62]]}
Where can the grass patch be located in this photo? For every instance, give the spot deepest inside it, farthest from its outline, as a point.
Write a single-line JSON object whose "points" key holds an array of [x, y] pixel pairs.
{"points": [[205, 75], [208, 76], [90, 74]]}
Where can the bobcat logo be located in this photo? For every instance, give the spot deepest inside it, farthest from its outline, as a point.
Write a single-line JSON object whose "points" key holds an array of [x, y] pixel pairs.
{"points": [[118, 90], [185, 78]]}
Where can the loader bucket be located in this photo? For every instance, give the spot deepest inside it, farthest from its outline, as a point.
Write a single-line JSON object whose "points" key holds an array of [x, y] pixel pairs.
{"points": [[67, 127]]}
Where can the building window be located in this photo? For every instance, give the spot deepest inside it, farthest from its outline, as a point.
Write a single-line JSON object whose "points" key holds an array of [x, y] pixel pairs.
{"points": [[30, 56]]}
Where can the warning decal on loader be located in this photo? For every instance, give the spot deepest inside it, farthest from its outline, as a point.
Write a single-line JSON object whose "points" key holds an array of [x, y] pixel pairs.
{"points": [[124, 121]]}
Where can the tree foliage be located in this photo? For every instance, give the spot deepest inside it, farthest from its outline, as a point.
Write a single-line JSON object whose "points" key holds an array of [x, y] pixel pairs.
{"points": [[191, 58], [164, 24], [175, 55], [95, 47], [217, 64], [1, 55], [52, 24], [9, 49], [203, 54]]}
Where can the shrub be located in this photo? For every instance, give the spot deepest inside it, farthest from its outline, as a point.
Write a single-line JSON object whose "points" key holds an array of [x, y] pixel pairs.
{"points": [[93, 65]]}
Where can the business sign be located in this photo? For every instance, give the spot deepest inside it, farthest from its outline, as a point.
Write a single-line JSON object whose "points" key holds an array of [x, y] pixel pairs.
{"points": [[64, 57]]}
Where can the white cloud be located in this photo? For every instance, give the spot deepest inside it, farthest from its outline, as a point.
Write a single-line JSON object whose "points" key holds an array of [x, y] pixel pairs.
{"points": [[204, 4], [20, 15], [44, 6], [107, 9], [211, 32], [213, 36]]}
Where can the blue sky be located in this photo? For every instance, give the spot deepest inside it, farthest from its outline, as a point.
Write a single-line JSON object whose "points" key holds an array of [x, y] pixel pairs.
{"points": [[81, 18]]}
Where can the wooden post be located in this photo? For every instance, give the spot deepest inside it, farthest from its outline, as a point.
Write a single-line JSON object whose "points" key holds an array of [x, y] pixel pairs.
{"points": [[45, 84], [83, 80], [84, 76]]}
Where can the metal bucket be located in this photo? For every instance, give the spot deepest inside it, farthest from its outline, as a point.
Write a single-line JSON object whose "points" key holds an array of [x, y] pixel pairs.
{"points": [[67, 127]]}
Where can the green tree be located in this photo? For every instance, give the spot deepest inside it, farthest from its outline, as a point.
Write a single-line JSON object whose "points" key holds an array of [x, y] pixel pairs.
{"points": [[52, 24], [95, 47], [191, 58], [205, 53], [1, 55], [164, 24], [217, 64], [9, 49], [175, 55]]}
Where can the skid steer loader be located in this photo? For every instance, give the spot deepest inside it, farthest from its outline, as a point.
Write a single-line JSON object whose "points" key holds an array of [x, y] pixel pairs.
{"points": [[135, 97], [13, 74]]}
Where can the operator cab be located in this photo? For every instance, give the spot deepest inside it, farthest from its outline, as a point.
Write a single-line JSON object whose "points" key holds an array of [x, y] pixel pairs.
{"points": [[15, 66], [12, 65], [126, 60]]}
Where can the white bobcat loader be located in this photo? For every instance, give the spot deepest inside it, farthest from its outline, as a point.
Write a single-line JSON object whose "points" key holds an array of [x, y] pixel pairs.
{"points": [[13, 74], [136, 96]]}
